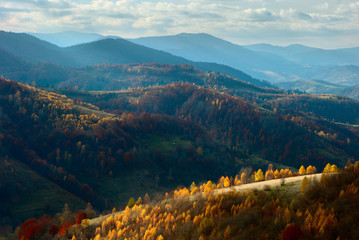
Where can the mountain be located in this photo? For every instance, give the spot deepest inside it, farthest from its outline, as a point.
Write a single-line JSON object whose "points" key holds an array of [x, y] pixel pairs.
{"points": [[109, 51], [342, 75], [311, 56], [68, 38], [118, 51], [263, 61], [32, 49], [206, 48], [352, 92], [312, 86]]}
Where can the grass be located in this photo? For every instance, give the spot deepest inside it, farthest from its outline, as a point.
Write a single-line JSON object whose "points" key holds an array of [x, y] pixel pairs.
{"points": [[119, 188], [257, 162], [32, 193]]}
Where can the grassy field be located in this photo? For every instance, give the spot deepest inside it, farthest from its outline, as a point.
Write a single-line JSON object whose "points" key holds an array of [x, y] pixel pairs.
{"points": [[28, 193]]}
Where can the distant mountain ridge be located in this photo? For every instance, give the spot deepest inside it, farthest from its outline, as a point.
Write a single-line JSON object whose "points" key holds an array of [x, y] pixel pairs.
{"points": [[207, 48], [109, 51], [312, 86], [310, 55], [263, 61]]}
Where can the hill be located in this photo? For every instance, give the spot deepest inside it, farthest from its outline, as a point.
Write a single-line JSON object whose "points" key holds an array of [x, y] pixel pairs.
{"points": [[109, 51], [331, 107], [153, 139], [32, 49], [100, 157], [352, 92], [312, 86], [228, 117], [206, 48], [263, 61], [308, 55], [310, 209], [26, 194]]}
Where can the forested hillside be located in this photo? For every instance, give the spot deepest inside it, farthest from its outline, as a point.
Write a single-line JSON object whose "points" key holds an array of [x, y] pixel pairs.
{"points": [[105, 147]]}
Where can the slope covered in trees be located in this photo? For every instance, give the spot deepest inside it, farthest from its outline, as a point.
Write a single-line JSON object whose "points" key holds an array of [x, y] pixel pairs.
{"points": [[77, 147], [245, 127], [153, 139], [318, 209]]}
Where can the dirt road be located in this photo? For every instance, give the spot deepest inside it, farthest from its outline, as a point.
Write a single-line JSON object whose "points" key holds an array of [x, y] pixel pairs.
{"points": [[271, 183]]}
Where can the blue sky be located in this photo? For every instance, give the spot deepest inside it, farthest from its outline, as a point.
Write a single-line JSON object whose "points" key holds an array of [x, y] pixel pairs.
{"points": [[326, 24]]}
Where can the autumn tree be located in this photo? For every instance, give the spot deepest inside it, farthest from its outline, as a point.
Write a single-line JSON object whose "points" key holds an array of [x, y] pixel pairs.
{"points": [[131, 202], [258, 175], [302, 170]]}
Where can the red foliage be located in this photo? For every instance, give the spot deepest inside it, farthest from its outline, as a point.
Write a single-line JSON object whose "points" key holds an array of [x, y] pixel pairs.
{"points": [[45, 219], [64, 227], [54, 229], [32, 228], [292, 232], [24, 227], [82, 215]]}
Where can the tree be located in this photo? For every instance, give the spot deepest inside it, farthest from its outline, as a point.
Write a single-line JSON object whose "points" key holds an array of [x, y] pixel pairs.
{"points": [[258, 176], [327, 168], [302, 170], [131, 202], [208, 187], [292, 232], [311, 169], [227, 233], [226, 182], [139, 201], [277, 174], [334, 169], [244, 177], [146, 199], [80, 216], [269, 175]]}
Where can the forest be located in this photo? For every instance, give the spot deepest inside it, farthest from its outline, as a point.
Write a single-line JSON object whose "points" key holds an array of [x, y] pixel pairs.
{"points": [[313, 209], [106, 147]]}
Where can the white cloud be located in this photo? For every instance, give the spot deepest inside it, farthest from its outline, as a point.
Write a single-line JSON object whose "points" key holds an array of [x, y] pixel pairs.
{"points": [[242, 21]]}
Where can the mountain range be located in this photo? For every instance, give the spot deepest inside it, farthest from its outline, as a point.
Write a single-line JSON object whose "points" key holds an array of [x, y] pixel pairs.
{"points": [[263, 61], [109, 51]]}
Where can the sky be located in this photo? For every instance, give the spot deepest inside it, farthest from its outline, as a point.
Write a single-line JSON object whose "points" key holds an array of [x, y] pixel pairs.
{"points": [[325, 24]]}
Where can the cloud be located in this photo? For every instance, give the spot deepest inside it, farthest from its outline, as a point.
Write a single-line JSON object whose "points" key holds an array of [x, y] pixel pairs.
{"points": [[259, 15]]}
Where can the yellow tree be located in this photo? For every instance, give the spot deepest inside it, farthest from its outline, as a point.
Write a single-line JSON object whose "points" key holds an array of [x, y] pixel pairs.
{"points": [[226, 182], [208, 188], [334, 168], [302, 170], [327, 168], [311, 169], [276, 174], [269, 175], [258, 176]]}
